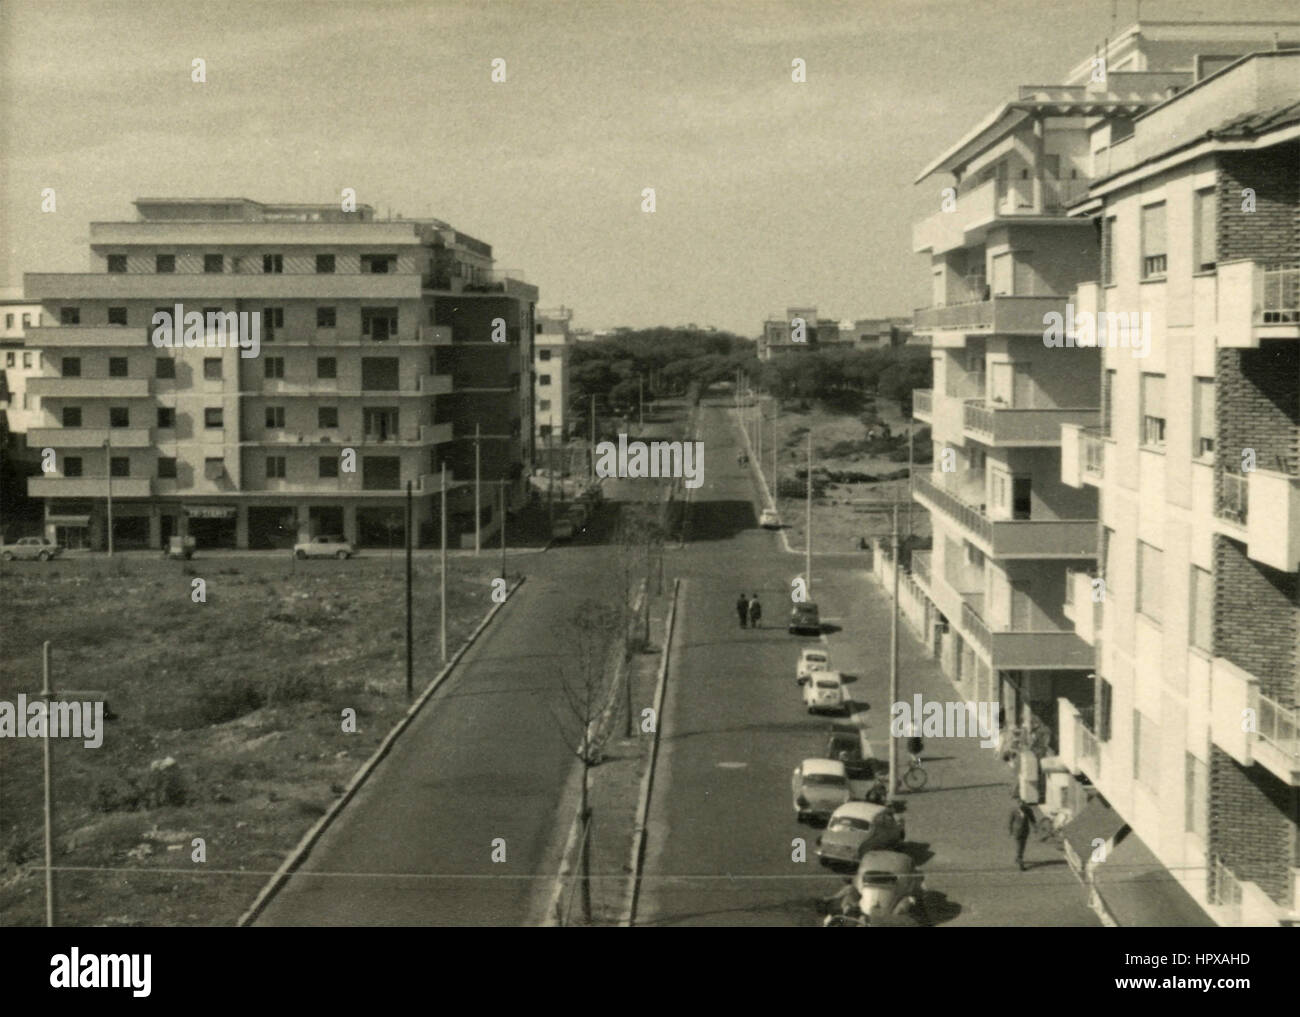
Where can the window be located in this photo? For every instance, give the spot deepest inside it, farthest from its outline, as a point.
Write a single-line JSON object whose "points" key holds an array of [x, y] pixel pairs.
{"points": [[1205, 243], [214, 468], [543, 405], [1203, 409], [273, 263], [117, 367], [1153, 241], [71, 367], [380, 374], [272, 318], [1197, 796], [327, 417], [69, 315], [211, 368], [274, 367], [275, 467], [166, 468], [117, 315], [325, 317], [164, 264], [1146, 746], [324, 264], [72, 466], [379, 323], [72, 416], [27, 360], [1108, 251], [120, 466], [9, 359], [117, 263], [164, 367], [275, 418], [9, 321], [543, 354], [214, 263], [212, 417], [378, 264], [166, 417], [329, 466], [1202, 614], [543, 379], [1153, 410], [27, 321], [326, 367], [1150, 579], [119, 416]]}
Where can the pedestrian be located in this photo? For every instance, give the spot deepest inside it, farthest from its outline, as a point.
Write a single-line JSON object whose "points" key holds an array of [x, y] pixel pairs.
{"points": [[755, 613], [742, 609], [1020, 821]]}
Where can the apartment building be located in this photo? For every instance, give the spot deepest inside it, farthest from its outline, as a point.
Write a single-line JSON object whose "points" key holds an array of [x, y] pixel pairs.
{"points": [[551, 372], [876, 333], [19, 362], [1015, 535], [382, 345], [1192, 737], [799, 330]]}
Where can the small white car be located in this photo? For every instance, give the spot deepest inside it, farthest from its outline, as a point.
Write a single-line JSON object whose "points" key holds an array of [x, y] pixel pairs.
{"points": [[812, 658], [825, 691], [324, 546], [769, 520], [31, 549], [819, 787]]}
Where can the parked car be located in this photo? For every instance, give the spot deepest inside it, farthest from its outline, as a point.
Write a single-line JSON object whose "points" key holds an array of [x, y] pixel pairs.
{"points": [[856, 828], [825, 691], [812, 658], [563, 529], [769, 519], [31, 549], [845, 744], [805, 618], [324, 546], [819, 787], [889, 888]]}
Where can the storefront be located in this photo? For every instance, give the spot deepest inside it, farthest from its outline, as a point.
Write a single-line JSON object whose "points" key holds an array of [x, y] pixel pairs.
{"points": [[213, 526]]}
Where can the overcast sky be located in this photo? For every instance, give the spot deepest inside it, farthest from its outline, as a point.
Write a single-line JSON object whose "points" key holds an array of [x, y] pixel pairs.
{"points": [[769, 193]]}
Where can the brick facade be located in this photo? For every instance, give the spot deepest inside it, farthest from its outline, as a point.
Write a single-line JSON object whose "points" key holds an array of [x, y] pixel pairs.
{"points": [[1257, 405], [1272, 231], [1257, 620], [1253, 818]]}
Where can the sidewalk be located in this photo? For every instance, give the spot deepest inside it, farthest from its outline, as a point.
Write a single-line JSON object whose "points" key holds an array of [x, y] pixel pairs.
{"points": [[961, 816]]}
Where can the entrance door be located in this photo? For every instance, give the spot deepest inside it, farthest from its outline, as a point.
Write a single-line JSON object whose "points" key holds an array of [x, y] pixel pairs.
{"points": [[1021, 499]]}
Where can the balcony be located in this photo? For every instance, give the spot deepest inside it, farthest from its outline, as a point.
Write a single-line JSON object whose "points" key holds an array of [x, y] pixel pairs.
{"points": [[1257, 300], [923, 404], [1273, 521], [88, 487], [1011, 538], [177, 286], [434, 384], [85, 336], [1081, 606], [89, 388], [1053, 649], [983, 204], [1279, 731], [1010, 427], [1233, 502], [89, 437], [1000, 315], [921, 568], [435, 434]]}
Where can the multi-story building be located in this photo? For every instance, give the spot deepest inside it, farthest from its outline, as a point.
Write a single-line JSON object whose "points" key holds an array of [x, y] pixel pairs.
{"points": [[19, 362], [781, 335], [1196, 626], [877, 333], [382, 345], [551, 372], [1014, 532]]}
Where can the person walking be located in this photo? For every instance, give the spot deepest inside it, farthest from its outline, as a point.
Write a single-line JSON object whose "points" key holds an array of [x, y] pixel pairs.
{"points": [[755, 613], [742, 609], [1020, 821]]}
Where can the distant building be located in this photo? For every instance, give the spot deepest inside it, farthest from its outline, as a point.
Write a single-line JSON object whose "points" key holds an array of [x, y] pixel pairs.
{"points": [[551, 373], [20, 360]]}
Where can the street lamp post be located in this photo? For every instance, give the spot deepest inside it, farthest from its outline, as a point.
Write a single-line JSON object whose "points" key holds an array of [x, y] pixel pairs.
{"points": [[108, 477]]}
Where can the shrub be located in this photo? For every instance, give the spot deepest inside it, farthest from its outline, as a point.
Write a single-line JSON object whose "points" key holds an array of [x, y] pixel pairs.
{"points": [[228, 699]]}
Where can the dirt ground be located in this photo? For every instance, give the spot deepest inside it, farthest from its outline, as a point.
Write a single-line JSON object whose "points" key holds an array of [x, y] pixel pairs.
{"points": [[245, 693]]}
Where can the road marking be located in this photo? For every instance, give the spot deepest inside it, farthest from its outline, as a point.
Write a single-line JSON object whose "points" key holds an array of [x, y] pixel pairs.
{"points": [[732, 766]]}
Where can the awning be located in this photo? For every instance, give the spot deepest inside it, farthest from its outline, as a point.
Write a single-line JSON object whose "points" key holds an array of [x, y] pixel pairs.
{"points": [[1096, 820], [1139, 892]]}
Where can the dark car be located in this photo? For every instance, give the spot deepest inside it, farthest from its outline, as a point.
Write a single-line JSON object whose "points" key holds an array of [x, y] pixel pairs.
{"points": [[805, 618]]}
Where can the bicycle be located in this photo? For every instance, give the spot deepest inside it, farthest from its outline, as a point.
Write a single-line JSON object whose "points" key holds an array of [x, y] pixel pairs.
{"points": [[914, 777]]}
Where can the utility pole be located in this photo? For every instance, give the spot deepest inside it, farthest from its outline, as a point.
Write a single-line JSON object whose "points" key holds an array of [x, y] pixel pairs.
{"points": [[640, 403], [410, 665], [442, 579], [776, 409], [478, 510], [503, 529], [807, 548], [48, 694], [893, 663], [758, 429], [592, 455], [108, 476], [550, 482], [909, 475]]}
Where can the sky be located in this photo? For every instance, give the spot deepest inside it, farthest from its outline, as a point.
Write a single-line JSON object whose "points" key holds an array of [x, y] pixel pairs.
{"points": [[768, 193]]}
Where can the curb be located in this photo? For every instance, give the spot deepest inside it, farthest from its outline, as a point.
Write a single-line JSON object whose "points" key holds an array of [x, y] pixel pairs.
{"points": [[309, 839], [637, 861]]}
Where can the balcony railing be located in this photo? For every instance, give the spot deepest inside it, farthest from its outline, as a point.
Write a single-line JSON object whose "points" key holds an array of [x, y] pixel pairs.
{"points": [[1278, 725], [922, 402], [1281, 297], [1234, 499], [1011, 425], [921, 566], [1225, 889], [1011, 314], [1085, 741], [1013, 538], [1094, 452], [973, 623], [967, 515]]}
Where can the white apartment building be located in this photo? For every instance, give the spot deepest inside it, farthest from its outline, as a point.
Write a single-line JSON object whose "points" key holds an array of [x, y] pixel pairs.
{"points": [[551, 346], [19, 362]]}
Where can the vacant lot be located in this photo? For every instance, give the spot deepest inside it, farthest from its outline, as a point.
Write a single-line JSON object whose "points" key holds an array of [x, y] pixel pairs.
{"points": [[246, 695]]}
